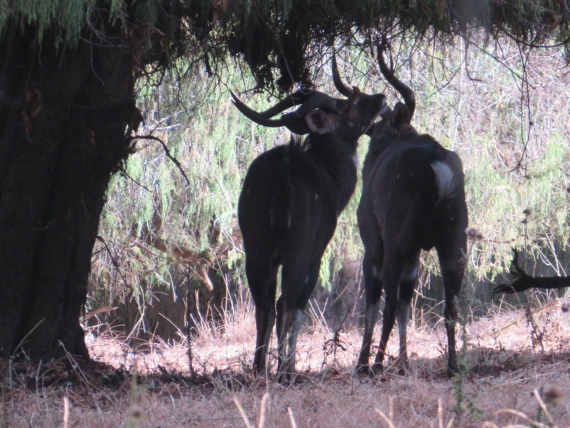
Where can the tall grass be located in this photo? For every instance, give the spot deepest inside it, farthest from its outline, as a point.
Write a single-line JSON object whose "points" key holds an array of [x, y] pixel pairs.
{"points": [[507, 119]]}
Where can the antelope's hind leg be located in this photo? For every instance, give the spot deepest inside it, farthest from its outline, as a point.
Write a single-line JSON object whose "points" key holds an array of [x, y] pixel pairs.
{"points": [[451, 250], [407, 287], [262, 279], [298, 282], [452, 270], [392, 272], [373, 292]]}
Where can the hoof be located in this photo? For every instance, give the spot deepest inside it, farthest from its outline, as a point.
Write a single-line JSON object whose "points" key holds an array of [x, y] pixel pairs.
{"points": [[286, 378], [368, 370], [362, 369], [404, 371], [377, 369], [452, 367], [258, 371], [452, 371]]}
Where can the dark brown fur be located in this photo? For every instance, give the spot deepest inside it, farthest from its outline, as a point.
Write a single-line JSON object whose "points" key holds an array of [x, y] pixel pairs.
{"points": [[406, 208], [288, 209]]}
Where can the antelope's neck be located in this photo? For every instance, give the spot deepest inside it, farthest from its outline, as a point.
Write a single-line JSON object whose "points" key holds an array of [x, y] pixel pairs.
{"points": [[337, 159], [375, 149]]}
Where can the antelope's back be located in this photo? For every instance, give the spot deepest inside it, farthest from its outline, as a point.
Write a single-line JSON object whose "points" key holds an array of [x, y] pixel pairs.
{"points": [[402, 193], [284, 200]]}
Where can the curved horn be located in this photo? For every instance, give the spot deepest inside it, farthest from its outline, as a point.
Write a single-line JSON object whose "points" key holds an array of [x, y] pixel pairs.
{"points": [[295, 99], [339, 85], [255, 116], [405, 91], [305, 102], [294, 121]]}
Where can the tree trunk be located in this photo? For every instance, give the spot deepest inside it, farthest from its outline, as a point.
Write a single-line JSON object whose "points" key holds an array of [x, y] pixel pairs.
{"points": [[65, 118]]}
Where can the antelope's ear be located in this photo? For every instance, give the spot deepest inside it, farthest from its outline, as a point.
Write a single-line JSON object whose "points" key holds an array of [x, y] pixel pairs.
{"points": [[320, 122], [401, 116]]}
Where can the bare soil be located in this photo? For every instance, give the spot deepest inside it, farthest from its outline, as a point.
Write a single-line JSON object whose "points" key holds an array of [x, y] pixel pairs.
{"points": [[517, 373]]}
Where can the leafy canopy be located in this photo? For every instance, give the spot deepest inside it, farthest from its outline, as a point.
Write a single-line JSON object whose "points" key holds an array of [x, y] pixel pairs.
{"points": [[275, 36]]}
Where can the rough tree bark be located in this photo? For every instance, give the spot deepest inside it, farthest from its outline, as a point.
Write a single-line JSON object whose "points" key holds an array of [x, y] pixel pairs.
{"points": [[65, 118]]}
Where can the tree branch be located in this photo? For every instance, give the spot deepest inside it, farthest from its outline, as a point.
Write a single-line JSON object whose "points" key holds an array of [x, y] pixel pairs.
{"points": [[522, 281]]}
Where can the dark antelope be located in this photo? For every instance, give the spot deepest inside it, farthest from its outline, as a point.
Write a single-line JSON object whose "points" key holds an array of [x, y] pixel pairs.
{"points": [[413, 199], [288, 208]]}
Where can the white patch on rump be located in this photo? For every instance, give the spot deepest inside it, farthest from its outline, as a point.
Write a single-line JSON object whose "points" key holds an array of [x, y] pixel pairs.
{"points": [[445, 180], [355, 160]]}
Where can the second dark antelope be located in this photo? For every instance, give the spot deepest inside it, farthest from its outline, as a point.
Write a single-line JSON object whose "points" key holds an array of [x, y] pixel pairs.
{"points": [[289, 204], [413, 199]]}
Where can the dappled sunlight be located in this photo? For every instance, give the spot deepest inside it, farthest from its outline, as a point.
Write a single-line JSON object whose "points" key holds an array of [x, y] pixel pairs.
{"points": [[517, 371], [496, 338]]}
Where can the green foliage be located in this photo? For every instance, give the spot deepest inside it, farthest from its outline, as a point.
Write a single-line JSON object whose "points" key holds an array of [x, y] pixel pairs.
{"points": [[68, 15], [268, 33], [513, 149], [510, 165]]}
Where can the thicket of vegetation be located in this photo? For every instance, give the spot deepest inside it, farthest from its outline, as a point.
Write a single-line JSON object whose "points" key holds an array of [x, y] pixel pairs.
{"points": [[69, 72], [170, 244]]}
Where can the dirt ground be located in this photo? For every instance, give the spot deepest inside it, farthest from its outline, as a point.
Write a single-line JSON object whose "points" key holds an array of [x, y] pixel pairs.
{"points": [[516, 373]]}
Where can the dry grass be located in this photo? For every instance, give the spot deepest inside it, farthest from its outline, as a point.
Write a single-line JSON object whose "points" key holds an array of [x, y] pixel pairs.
{"points": [[519, 376]]}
